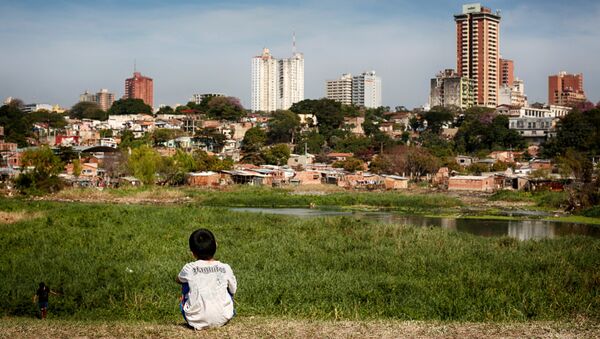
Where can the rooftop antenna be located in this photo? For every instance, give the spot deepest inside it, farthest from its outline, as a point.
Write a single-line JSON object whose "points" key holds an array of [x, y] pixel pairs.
{"points": [[294, 43]]}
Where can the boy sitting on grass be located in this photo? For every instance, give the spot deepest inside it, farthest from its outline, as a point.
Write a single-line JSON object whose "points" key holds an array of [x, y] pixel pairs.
{"points": [[208, 285]]}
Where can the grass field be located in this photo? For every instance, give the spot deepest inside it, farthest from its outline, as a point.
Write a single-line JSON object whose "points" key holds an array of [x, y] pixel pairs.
{"points": [[117, 262]]}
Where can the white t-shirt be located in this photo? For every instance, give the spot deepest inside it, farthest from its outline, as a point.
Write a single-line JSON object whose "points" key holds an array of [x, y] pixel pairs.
{"points": [[209, 302]]}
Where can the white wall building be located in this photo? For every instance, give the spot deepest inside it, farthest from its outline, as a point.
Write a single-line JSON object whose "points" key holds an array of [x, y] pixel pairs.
{"points": [[264, 86], [366, 90], [340, 89], [513, 96], [291, 81]]}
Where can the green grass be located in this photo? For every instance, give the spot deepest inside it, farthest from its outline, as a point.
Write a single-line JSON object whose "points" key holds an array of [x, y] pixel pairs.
{"points": [[326, 268], [545, 199], [269, 197]]}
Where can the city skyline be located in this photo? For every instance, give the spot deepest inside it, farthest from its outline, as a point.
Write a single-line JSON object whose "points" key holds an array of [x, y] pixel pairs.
{"points": [[190, 48]]}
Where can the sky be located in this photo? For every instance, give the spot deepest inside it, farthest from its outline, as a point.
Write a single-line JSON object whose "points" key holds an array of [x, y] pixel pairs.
{"points": [[52, 51]]}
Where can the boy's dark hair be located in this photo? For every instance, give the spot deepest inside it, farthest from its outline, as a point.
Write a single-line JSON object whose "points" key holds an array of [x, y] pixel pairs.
{"points": [[203, 244]]}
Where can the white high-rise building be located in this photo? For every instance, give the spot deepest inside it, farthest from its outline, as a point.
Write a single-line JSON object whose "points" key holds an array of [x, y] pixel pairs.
{"points": [[291, 81], [264, 87], [340, 89], [366, 90]]}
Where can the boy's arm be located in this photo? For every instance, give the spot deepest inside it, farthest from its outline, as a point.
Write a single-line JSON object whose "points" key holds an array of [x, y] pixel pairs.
{"points": [[231, 281], [177, 280]]}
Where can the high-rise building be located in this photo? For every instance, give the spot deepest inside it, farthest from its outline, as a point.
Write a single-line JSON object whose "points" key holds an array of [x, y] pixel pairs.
{"points": [[477, 53], [340, 90], [140, 87], [264, 87], [291, 81], [366, 90], [507, 72], [566, 89], [449, 89], [104, 99]]}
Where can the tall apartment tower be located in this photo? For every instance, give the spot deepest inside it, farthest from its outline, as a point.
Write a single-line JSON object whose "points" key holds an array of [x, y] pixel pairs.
{"points": [[566, 89], [291, 79], [366, 90], [340, 90], [477, 51], [264, 82], [507, 72], [140, 87]]}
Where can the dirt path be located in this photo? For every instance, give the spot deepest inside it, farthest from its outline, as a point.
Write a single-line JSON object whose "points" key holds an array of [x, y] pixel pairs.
{"points": [[257, 327]]}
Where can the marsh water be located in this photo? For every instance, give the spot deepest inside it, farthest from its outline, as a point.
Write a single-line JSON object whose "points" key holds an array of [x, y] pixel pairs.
{"points": [[519, 229]]}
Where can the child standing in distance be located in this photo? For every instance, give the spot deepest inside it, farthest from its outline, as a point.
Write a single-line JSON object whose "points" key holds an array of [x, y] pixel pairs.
{"points": [[41, 295], [208, 285]]}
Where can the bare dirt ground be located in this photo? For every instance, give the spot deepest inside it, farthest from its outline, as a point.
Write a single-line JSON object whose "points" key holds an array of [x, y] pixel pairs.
{"points": [[12, 217], [257, 327]]}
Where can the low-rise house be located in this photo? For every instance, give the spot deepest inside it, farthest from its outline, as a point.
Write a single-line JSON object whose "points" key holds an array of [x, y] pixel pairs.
{"points": [[307, 178], [505, 156], [395, 182], [337, 156], [471, 183], [540, 164], [361, 181], [204, 179], [464, 160], [303, 160], [244, 177]]}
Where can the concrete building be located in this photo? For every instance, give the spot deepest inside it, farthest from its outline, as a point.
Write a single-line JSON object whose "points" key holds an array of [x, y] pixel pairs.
{"points": [[104, 99], [566, 89], [478, 51], [507, 72], [449, 89], [28, 108], [513, 95], [536, 125], [140, 87], [291, 81], [340, 89], [366, 90], [264, 82]]}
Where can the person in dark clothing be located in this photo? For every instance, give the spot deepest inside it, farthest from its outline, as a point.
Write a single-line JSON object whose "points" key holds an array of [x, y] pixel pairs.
{"points": [[42, 294]]}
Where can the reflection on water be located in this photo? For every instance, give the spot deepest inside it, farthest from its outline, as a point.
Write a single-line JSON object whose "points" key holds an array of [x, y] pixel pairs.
{"points": [[518, 229]]}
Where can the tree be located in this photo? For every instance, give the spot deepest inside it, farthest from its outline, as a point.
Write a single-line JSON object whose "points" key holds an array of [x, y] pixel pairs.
{"points": [[276, 154], [87, 110], [165, 110], [162, 135], [16, 126], [225, 108], [254, 140], [479, 133], [143, 163], [350, 164], [380, 165], [414, 160], [43, 116], [129, 106], [283, 127], [437, 117], [310, 141], [43, 177], [77, 168], [328, 113]]}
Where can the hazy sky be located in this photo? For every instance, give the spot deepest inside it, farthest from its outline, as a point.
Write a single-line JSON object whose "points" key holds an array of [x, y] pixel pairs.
{"points": [[54, 50]]}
